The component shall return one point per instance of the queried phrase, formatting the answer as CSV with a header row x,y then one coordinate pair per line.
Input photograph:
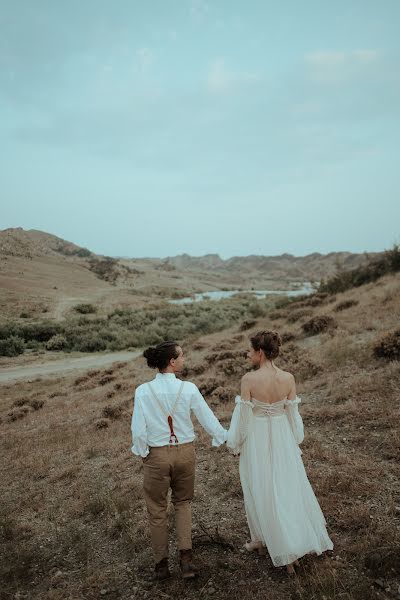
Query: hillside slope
x,y
43,276
82,532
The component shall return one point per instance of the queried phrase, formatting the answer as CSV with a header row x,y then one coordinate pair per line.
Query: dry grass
x,y
72,518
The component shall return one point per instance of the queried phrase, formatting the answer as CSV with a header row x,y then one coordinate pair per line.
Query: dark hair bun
x,y
159,357
267,341
150,355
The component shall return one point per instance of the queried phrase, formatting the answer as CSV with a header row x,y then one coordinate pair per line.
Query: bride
x,y
282,511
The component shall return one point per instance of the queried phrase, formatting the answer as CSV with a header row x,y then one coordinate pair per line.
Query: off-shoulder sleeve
x,y
295,420
240,422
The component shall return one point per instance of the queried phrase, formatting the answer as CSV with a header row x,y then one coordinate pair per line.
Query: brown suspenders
x,y
172,438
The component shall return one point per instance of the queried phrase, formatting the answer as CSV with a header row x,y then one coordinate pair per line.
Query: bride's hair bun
x,y
268,341
158,357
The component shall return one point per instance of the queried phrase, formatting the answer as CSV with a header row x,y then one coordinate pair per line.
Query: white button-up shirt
x,y
150,425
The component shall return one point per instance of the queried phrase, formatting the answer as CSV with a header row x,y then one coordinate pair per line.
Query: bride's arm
x,y
240,418
293,415
245,393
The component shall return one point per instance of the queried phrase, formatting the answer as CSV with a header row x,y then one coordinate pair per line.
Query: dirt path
x,y
93,361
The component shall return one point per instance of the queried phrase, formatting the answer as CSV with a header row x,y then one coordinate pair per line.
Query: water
x,y
220,294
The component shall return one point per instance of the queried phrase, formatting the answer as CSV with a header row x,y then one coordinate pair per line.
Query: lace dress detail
x,y
281,508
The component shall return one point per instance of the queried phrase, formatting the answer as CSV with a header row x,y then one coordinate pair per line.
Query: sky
x,y
158,127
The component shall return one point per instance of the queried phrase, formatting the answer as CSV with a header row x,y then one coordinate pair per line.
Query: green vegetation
x,y
130,328
387,262
85,309
11,346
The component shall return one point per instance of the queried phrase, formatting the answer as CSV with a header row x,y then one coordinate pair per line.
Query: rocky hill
x,y
33,243
312,266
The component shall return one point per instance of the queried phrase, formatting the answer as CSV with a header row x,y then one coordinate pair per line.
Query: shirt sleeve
x,y
139,429
207,419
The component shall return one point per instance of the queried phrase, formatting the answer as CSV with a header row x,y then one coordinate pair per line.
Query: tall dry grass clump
x,y
388,346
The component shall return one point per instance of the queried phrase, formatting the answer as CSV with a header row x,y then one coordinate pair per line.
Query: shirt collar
x,y
162,375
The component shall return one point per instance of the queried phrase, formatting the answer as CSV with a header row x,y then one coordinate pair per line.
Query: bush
x,y
387,262
57,342
318,324
248,324
112,412
345,305
294,316
388,346
105,268
36,404
91,342
11,346
85,309
287,336
40,332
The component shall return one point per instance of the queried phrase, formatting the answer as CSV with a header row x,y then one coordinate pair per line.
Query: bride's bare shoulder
x,y
285,375
249,376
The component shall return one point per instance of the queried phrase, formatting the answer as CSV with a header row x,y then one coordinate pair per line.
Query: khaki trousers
x,y
164,468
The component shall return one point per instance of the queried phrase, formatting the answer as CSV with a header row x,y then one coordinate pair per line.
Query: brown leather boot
x,y
188,569
161,570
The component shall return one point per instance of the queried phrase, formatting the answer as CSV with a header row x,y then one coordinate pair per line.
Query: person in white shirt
x,y
163,436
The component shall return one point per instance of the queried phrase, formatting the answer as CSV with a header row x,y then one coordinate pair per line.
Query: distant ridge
x,y
18,242
315,265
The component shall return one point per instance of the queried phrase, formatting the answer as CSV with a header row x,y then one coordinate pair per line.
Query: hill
x,y
285,266
44,276
82,531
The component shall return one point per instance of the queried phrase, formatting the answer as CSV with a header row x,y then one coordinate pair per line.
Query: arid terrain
x,y
43,276
72,518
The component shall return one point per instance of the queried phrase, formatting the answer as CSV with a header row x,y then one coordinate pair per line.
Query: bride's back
x,y
270,385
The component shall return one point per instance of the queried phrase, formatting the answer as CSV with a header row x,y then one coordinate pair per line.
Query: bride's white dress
x,y
281,508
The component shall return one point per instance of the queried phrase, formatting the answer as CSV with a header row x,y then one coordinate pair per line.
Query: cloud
x,y
220,79
199,9
144,59
337,66
325,59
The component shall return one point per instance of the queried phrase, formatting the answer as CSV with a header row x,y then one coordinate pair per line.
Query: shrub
x,y
287,336
387,262
248,324
57,342
294,316
345,305
112,412
11,346
256,310
105,268
18,413
102,423
85,309
388,346
276,314
20,402
36,404
40,332
91,342
318,324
